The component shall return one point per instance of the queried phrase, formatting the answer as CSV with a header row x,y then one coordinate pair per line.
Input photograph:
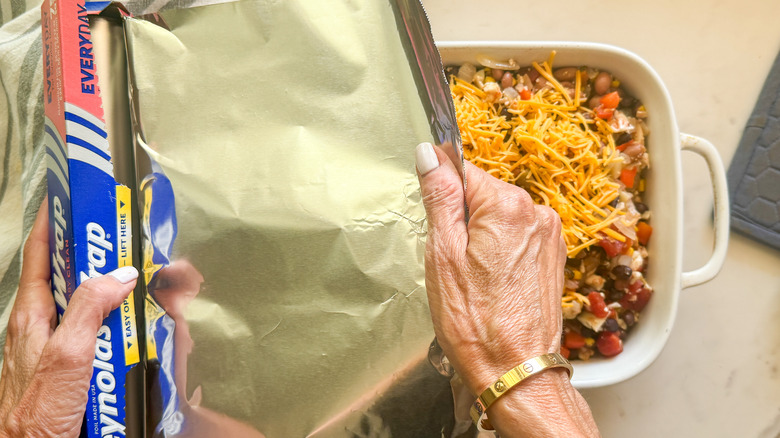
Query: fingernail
x,y
426,158
125,274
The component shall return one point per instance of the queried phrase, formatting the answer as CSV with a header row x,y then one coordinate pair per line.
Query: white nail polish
x,y
125,274
426,158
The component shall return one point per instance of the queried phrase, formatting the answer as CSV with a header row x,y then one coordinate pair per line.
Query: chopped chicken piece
x,y
571,309
492,92
596,281
591,321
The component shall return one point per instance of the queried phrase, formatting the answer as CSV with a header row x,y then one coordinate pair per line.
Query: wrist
x,y
481,371
544,405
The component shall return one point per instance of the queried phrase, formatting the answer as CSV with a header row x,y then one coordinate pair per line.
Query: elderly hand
x,y
47,368
494,288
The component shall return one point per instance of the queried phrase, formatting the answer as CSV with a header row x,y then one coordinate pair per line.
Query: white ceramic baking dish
x,y
664,192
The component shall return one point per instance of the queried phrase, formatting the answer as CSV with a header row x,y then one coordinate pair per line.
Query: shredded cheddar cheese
x,y
557,150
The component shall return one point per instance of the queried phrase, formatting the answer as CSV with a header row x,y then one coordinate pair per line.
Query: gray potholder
x,y
754,174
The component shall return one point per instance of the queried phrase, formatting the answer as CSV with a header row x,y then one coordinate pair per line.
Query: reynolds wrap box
x,y
90,213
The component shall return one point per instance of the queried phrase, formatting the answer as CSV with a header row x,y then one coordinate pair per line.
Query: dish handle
x,y
721,211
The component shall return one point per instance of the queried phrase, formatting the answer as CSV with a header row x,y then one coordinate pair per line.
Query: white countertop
x,y
718,375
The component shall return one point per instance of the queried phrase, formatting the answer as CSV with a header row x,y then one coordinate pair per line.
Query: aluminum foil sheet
x,y
283,221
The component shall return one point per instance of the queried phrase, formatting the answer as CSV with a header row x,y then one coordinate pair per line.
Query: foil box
x,y
90,231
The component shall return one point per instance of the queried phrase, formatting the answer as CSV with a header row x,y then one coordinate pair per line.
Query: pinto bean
x,y
602,82
565,73
569,87
634,150
507,80
533,74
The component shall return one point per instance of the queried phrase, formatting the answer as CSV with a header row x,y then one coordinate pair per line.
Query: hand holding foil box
x,y
90,205
289,265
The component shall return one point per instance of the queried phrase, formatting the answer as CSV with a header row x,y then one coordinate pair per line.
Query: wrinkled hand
x,y
494,289
47,368
494,285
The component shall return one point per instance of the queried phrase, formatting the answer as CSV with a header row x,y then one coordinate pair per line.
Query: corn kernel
x,y
642,185
615,83
589,342
577,274
489,79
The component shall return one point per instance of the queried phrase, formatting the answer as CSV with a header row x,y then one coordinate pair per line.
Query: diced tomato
x,y
628,175
597,305
611,100
573,340
642,297
609,344
637,297
603,112
525,94
565,352
643,232
611,246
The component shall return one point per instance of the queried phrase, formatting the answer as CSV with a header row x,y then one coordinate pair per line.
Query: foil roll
x,y
108,47
284,230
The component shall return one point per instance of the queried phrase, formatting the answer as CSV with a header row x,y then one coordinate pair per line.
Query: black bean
x,y
629,318
640,207
611,325
567,272
622,272
627,101
624,137
588,333
621,284
505,113
614,295
614,202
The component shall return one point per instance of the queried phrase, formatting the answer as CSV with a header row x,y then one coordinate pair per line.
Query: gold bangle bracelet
x,y
512,378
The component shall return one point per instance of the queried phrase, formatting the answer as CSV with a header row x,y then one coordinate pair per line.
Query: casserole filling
x,y
574,139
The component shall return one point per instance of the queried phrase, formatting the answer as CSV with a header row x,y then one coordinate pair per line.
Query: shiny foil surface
x,y
287,130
